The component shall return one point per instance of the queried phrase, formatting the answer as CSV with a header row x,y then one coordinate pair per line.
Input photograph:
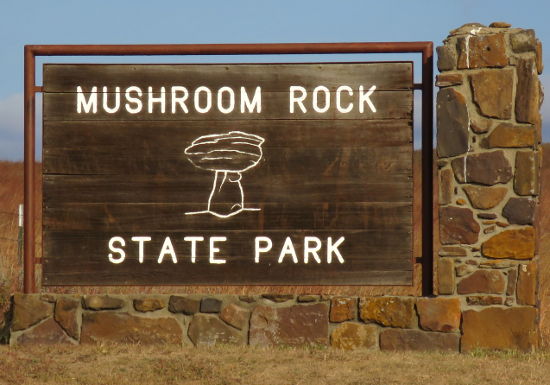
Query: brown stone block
x,y
527,284
493,92
46,333
343,309
519,211
294,325
457,226
540,63
98,327
512,244
149,304
511,136
439,314
389,311
484,198
350,336
527,92
401,339
66,313
308,298
235,316
28,310
445,276
512,281
498,328
483,281
452,123
209,330
523,41
482,51
446,187
446,57
487,168
526,181
448,79
500,24
185,305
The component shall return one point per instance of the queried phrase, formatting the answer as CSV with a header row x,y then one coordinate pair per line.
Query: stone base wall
x,y
378,323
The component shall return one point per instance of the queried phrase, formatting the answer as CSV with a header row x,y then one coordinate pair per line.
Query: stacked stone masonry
x,y
489,134
489,149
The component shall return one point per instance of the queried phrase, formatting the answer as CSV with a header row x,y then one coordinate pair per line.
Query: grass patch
x,y
131,364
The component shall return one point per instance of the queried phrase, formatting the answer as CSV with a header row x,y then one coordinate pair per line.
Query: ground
x,y
127,364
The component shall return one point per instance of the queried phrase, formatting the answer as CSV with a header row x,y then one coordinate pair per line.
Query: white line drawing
x,y
228,155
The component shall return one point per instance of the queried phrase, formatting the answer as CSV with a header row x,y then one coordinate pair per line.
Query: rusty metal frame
x,y
30,90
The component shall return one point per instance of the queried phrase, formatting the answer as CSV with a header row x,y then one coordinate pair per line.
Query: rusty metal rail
x,y
30,89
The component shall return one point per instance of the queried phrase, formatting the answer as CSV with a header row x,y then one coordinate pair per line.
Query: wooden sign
x,y
228,174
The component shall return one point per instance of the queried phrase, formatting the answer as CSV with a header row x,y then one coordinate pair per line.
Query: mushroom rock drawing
x,y
228,156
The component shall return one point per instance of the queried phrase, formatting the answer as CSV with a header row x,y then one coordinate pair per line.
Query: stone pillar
x,y
489,149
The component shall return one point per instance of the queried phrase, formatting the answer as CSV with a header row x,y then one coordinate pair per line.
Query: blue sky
x,y
236,21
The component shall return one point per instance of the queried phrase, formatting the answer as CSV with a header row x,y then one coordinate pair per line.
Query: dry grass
x,y
123,365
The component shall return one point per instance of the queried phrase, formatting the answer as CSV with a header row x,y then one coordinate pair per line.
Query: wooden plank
x,y
271,77
363,252
278,133
152,189
171,217
275,105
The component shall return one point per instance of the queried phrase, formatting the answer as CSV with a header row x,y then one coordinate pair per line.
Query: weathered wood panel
x,y
314,174
272,77
140,217
275,106
368,255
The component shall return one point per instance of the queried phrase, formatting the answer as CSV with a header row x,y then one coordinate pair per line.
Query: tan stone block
x,y
448,79
493,92
484,198
439,314
498,328
149,304
508,135
445,276
512,244
389,311
527,284
102,302
526,181
343,309
483,281
350,336
484,300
